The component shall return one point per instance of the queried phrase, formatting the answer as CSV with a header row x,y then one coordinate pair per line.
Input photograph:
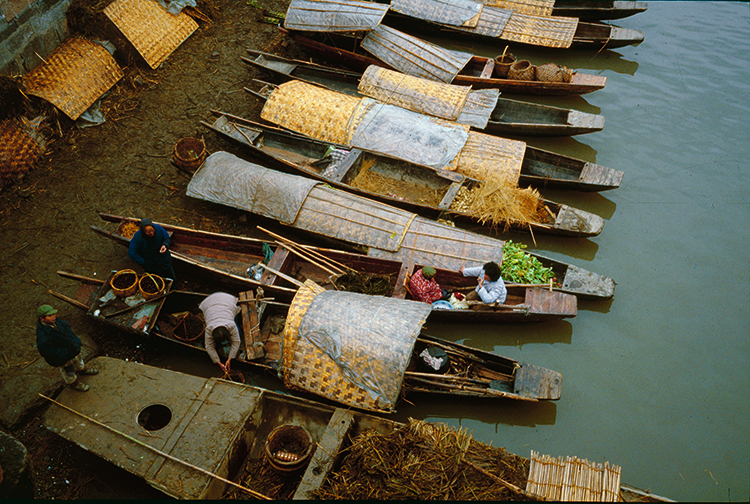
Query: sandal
x,y
80,387
89,371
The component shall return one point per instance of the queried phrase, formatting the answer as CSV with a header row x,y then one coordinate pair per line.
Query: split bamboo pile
x,y
572,479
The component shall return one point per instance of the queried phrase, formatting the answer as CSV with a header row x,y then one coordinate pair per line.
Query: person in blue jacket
x,y
60,347
149,247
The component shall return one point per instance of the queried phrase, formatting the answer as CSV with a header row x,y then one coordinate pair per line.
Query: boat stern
x,y
539,383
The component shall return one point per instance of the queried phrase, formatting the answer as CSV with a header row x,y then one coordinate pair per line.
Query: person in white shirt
x,y
219,310
490,287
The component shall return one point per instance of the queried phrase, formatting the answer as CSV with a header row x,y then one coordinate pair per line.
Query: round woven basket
x,y
552,72
288,448
502,65
124,291
189,328
522,70
189,153
160,284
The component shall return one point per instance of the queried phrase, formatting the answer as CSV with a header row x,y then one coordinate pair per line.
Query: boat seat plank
x,y
489,67
450,195
339,172
276,263
325,454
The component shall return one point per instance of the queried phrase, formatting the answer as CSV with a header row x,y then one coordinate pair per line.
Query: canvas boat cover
x,y
449,12
348,347
535,7
429,97
364,123
414,56
334,15
228,180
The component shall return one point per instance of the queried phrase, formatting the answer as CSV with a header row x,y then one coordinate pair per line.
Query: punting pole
x,y
159,452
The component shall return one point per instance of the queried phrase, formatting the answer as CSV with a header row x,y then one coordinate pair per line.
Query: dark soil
x,y
121,167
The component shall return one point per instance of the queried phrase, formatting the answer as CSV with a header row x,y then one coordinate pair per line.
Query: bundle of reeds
x,y
365,283
425,461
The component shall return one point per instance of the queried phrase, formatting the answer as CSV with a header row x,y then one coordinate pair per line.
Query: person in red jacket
x,y
424,287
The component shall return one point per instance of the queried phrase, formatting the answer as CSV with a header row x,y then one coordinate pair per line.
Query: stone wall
x,y
30,29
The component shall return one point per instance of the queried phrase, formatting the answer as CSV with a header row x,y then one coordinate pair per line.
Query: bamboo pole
x,y
306,248
283,275
308,258
159,452
69,300
508,485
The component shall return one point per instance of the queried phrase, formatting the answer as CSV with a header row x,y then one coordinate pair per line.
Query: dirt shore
x,y
122,167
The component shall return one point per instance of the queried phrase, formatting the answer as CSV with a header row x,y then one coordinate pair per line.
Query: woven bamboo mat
x,y
153,31
534,7
572,479
20,147
540,30
486,156
74,76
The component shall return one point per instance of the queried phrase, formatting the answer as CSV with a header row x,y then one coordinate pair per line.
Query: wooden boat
x,y
430,61
599,10
226,259
461,18
360,350
387,232
420,189
507,118
154,423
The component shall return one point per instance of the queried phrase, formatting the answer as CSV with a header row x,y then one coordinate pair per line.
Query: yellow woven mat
x,y
485,156
74,76
154,32
540,30
535,7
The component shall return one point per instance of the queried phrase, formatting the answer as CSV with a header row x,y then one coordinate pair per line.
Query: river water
x,y
656,380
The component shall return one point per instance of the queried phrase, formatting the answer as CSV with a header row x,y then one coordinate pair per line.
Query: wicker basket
x,y
189,153
522,70
125,291
288,448
159,281
552,72
182,328
502,65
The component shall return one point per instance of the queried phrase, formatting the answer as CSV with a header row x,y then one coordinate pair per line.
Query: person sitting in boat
x,y
220,311
490,287
60,347
424,287
149,247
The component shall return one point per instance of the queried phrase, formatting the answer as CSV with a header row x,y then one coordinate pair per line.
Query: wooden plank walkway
x,y
572,479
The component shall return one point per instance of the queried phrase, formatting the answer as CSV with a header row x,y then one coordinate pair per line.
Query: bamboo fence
x,y
572,479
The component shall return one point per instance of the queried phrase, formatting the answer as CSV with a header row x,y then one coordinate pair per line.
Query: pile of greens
x,y
520,267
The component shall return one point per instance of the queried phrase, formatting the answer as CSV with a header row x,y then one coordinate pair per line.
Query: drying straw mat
x,y
74,76
154,32
533,7
424,461
572,479
21,146
540,30
414,93
486,157
312,111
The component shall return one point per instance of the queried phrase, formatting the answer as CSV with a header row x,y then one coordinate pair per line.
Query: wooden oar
x,y
69,300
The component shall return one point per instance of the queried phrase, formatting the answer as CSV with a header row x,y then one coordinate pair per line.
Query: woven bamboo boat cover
x,y
547,31
535,7
228,180
154,32
449,12
350,348
21,146
334,15
485,157
414,56
492,21
74,76
479,107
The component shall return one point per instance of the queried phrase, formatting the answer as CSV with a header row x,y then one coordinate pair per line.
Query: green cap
x,y
45,310
428,272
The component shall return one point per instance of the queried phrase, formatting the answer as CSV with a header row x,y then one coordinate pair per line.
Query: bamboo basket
x,y
189,153
127,291
522,70
502,65
282,445
157,280
552,72
183,322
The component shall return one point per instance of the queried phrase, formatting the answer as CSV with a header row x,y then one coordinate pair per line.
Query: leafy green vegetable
x,y
520,267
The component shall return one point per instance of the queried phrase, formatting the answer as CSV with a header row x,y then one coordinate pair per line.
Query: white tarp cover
x,y
450,12
409,136
364,340
479,107
228,180
334,15
414,56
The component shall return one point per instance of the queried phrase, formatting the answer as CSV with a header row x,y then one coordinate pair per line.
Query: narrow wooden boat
x,y
363,351
420,189
461,18
387,232
476,71
226,259
507,118
597,10
154,423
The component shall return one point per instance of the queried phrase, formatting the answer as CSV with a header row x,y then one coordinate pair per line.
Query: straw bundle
x,y
312,110
486,157
540,30
406,189
414,93
534,7
423,461
499,203
365,283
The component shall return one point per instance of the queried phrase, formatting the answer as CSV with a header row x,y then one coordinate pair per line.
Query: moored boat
x,y
504,117
226,259
599,10
387,232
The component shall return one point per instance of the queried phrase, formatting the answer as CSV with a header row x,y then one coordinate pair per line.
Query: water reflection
x,y
565,145
592,202
498,337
